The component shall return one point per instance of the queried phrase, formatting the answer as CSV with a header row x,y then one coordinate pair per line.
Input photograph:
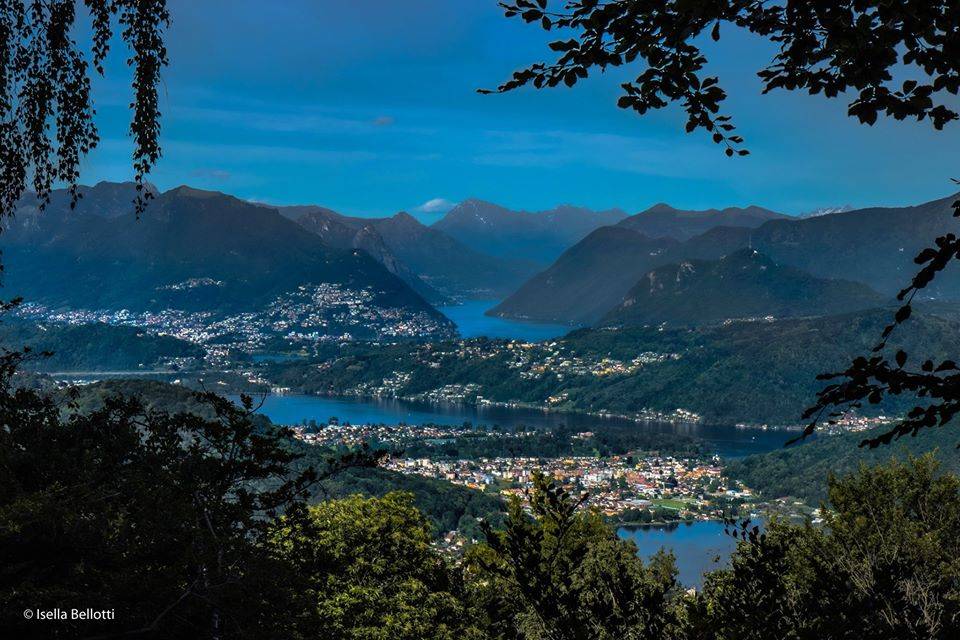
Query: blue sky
x,y
369,107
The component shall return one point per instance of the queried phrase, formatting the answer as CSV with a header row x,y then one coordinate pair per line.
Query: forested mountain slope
x,y
191,250
743,284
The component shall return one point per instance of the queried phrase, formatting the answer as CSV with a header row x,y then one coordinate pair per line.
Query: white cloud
x,y
436,205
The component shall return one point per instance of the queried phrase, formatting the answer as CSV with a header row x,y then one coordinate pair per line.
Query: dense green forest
x,y
755,372
802,470
257,540
602,440
92,347
445,505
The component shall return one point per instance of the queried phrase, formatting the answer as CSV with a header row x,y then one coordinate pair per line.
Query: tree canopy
x,y
870,51
884,565
894,59
46,107
563,574
364,568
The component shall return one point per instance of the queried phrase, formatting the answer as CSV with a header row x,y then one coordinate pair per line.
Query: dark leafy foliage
x,y
770,590
364,569
862,47
869,379
885,565
156,515
46,110
562,574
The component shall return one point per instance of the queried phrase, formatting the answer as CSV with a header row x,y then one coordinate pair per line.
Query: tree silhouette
x,y
825,47
560,573
163,517
870,378
883,566
46,108
896,59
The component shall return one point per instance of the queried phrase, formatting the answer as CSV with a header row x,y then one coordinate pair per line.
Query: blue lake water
x,y
472,323
696,545
297,408
699,547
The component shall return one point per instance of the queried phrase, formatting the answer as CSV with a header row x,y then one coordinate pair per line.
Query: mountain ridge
x,y
663,220
740,285
578,288
539,236
874,247
244,255
439,261
346,233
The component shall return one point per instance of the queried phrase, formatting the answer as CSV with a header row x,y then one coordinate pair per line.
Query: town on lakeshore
x,y
306,316
317,323
480,320
639,488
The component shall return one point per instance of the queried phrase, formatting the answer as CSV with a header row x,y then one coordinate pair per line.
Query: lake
x,y
471,323
696,546
296,408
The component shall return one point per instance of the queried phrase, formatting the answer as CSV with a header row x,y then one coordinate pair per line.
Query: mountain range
x,y
191,249
203,250
195,249
663,221
874,247
594,275
743,284
432,262
589,279
537,236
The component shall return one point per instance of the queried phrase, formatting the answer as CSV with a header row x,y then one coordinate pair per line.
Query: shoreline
x,y
663,418
655,417
663,524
